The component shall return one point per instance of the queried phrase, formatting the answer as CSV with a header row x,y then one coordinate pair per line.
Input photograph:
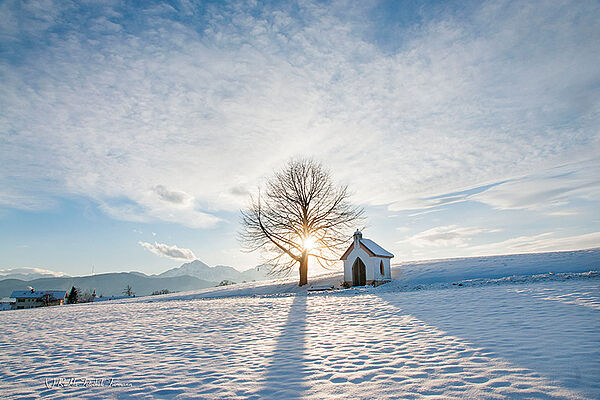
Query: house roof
x,y
370,247
27,294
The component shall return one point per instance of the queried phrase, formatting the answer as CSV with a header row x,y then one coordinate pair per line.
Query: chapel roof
x,y
370,247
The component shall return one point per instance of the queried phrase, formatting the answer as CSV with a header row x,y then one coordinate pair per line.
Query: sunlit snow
x,y
521,338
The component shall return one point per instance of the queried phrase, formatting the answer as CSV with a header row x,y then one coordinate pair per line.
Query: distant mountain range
x,y
111,284
218,273
190,276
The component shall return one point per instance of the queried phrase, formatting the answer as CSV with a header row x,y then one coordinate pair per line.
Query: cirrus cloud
x,y
214,97
555,187
547,241
444,236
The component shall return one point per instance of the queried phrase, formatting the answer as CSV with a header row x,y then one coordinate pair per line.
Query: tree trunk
x,y
303,269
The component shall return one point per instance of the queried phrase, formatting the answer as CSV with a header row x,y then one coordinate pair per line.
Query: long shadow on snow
x,y
284,377
541,335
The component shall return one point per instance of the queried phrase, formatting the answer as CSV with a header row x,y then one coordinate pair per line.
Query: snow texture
x,y
512,337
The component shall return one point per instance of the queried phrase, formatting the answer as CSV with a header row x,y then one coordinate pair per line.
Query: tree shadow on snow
x,y
285,373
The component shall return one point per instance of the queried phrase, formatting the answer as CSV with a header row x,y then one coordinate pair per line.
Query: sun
x,y
309,243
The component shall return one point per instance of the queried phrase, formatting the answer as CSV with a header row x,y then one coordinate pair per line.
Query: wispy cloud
x,y
164,250
455,241
445,236
547,241
546,189
555,187
416,203
214,99
564,213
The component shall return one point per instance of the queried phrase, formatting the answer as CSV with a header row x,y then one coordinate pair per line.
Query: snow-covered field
x,y
529,338
472,271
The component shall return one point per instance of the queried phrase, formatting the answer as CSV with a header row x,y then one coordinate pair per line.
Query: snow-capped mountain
x,y
218,273
26,273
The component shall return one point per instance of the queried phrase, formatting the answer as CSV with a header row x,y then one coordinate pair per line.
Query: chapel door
x,y
359,273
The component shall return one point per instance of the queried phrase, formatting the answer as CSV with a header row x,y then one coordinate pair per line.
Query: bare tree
x,y
128,291
85,296
48,299
301,213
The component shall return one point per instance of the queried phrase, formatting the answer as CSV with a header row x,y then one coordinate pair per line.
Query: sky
x,y
132,133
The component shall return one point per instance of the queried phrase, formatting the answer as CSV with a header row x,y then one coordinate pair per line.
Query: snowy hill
x,y
534,336
435,273
200,270
456,269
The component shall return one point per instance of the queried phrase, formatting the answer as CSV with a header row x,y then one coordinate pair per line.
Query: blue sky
x,y
132,133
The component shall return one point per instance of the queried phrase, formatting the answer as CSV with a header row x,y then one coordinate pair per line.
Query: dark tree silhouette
x,y
73,295
300,213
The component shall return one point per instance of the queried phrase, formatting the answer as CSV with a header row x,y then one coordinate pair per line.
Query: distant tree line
x,y
77,295
157,292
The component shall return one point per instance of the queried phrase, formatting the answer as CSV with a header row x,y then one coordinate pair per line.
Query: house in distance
x,y
366,263
33,299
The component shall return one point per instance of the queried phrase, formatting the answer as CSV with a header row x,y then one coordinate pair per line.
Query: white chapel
x,y
366,263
